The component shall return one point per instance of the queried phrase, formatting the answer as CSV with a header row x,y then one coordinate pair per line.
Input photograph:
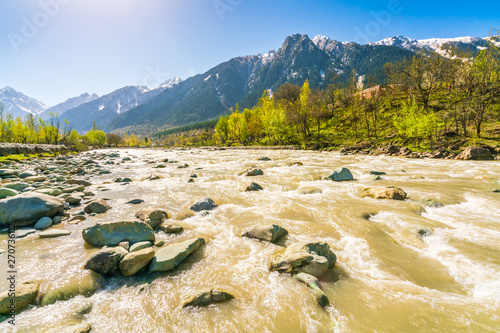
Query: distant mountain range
x,y
240,80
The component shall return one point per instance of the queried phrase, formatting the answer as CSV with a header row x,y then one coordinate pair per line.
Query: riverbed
x,y
388,276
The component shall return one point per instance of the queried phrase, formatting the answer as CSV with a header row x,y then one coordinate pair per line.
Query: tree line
x,y
431,95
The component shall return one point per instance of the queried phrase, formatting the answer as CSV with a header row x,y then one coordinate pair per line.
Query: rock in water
x,y
135,202
43,223
252,187
204,204
313,284
106,261
171,256
25,294
341,175
390,192
113,233
27,208
54,233
153,217
97,206
134,262
310,258
476,153
84,283
208,297
251,172
269,233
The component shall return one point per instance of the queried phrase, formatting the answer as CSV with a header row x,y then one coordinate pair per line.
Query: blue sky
x,y
56,49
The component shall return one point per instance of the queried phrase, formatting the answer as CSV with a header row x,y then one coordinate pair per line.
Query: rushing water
x,y
387,278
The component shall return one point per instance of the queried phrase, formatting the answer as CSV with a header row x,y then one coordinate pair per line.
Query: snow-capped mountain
x,y
170,83
18,104
436,44
103,109
69,104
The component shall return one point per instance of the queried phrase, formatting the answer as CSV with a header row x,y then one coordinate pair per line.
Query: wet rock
x,y
106,261
431,203
23,232
7,192
185,214
16,186
377,173
98,206
78,188
43,223
135,261
252,187
85,283
204,204
122,180
208,297
251,172
73,200
424,233
78,182
125,245
390,192
170,256
476,153
35,179
269,233
310,258
113,233
26,209
296,164
54,233
79,328
313,284
184,166
171,229
135,202
8,172
140,246
341,175
417,177
159,243
153,217
25,294
309,190
264,159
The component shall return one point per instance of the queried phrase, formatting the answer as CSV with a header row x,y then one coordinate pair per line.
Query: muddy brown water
x,y
387,278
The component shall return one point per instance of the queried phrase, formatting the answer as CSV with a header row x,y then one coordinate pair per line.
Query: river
x,y
388,277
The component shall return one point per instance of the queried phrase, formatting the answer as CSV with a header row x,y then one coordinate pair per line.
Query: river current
x,y
388,277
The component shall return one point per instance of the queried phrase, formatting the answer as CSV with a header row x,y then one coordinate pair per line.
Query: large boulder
x,y
135,261
310,258
269,233
106,261
252,171
341,175
208,297
27,208
98,206
25,294
153,217
476,153
113,233
204,204
390,192
169,257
